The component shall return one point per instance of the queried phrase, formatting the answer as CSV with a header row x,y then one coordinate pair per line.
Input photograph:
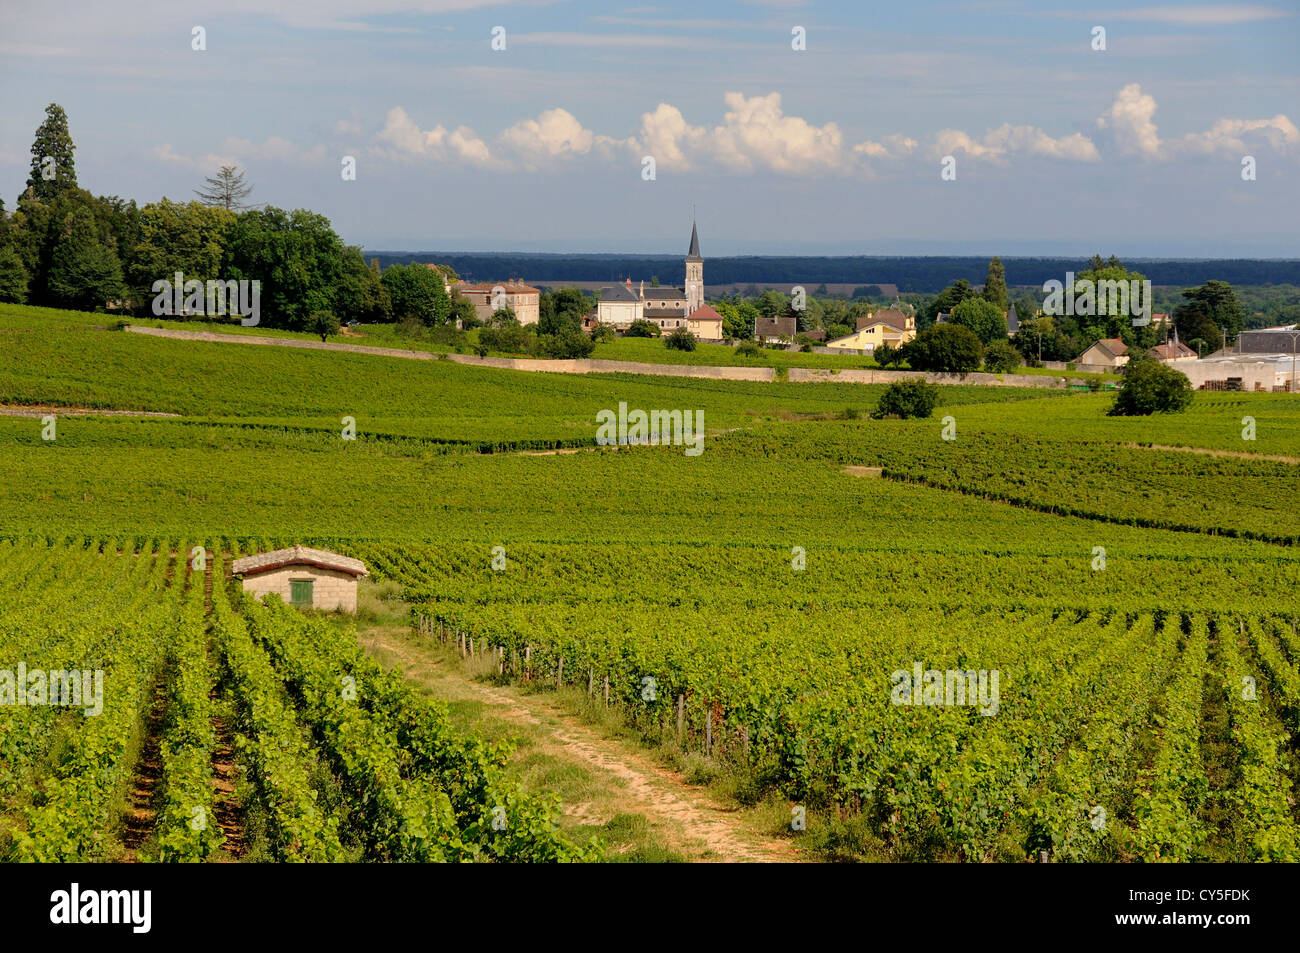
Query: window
x,y
300,592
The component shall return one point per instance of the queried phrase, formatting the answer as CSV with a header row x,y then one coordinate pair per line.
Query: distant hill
x,y
908,273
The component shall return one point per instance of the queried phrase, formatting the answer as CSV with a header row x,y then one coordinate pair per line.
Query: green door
x,y
300,592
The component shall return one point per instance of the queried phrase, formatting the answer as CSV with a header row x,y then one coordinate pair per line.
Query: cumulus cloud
x,y
893,147
756,133
403,138
1129,121
997,144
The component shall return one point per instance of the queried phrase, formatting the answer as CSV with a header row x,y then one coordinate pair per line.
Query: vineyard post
x,y
681,717
606,691
744,739
559,675
591,681
501,659
471,646
708,730
528,662
514,660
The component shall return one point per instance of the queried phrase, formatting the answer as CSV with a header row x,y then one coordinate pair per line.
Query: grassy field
x,y
1122,574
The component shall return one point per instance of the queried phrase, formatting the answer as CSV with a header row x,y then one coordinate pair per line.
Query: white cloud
x,y
893,147
1130,121
1226,136
1008,139
555,133
406,140
756,133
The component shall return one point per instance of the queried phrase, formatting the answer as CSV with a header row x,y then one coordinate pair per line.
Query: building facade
x,y
304,577
524,300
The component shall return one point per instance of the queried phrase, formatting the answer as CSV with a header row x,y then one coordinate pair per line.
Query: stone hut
x,y
311,578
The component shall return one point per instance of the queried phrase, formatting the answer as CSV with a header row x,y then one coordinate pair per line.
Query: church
x,y
668,308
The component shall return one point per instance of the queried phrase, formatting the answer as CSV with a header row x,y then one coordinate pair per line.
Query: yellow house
x,y
873,333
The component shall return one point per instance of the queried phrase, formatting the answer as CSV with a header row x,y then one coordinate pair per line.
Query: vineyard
x,y
1131,583
342,760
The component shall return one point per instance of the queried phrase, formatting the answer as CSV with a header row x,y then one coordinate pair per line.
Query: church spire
x,y
694,253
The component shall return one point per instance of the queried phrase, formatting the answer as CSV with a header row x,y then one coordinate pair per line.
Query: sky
x,y
788,127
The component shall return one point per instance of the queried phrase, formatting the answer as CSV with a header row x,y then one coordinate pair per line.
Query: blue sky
x,y
836,148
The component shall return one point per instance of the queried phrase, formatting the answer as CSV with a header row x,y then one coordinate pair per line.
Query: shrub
x,y
748,349
681,340
1001,358
569,343
909,398
602,333
1151,387
949,348
887,355
511,339
641,328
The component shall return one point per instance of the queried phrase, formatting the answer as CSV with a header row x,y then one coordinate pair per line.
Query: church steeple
x,y
694,287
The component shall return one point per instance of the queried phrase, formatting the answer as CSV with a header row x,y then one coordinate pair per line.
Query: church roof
x,y
694,253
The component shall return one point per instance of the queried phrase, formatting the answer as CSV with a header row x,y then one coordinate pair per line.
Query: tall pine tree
x,y
995,285
53,169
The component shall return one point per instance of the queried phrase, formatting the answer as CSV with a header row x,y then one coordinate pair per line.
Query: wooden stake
x,y
708,730
681,717
606,691
559,675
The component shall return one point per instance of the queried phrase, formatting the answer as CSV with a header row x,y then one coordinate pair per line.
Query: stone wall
x,y
331,589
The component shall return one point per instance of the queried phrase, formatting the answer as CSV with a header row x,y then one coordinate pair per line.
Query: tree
x,y
84,270
569,343
53,169
1001,358
360,294
1212,305
323,323
909,398
982,317
949,348
464,313
680,339
995,285
226,189
189,238
945,301
568,307
641,328
297,257
886,355
13,276
1151,387
417,292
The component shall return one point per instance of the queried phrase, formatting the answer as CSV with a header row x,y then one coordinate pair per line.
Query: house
x,y
487,297
891,316
311,578
705,323
774,330
1173,352
1106,352
819,336
619,306
886,326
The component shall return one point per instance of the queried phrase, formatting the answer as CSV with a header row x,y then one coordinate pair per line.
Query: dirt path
x,y
225,805
1206,451
694,823
143,813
